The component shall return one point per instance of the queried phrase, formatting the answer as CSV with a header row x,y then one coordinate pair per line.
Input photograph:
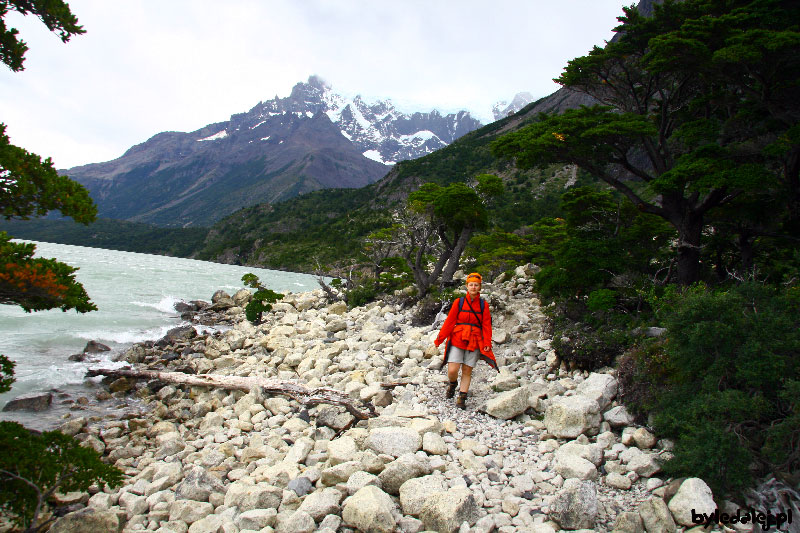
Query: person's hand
x,y
487,348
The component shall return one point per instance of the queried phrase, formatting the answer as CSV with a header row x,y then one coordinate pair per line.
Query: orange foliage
x,y
34,278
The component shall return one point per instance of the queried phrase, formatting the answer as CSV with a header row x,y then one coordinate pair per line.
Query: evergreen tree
x,y
698,111
32,187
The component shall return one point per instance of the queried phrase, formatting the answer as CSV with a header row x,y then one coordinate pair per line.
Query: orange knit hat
x,y
474,277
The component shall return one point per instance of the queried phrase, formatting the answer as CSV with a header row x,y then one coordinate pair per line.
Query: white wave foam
x,y
165,305
126,336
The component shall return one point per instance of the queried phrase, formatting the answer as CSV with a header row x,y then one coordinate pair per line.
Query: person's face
x,y
473,288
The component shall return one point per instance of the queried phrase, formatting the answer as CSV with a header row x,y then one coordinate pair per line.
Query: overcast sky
x,y
146,66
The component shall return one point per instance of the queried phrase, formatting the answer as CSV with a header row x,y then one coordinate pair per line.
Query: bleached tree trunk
x,y
295,391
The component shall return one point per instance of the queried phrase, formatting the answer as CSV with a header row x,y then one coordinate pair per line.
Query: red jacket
x,y
468,328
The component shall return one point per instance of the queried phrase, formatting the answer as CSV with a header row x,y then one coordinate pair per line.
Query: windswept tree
x,y
437,224
699,111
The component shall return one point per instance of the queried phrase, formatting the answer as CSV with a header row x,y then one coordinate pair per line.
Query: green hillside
x,y
327,227
110,234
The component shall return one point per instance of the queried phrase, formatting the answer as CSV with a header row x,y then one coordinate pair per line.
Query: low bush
x,y
262,299
730,394
587,347
33,467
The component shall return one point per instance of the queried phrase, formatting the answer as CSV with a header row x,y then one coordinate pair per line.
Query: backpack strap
x,y
479,316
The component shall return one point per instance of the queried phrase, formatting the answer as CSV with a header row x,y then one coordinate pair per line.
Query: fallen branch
x,y
295,391
393,384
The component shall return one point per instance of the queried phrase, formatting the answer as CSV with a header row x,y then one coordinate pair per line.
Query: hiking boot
x,y
461,401
451,389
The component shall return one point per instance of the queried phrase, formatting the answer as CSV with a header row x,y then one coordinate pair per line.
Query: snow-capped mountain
x,y
503,109
312,139
378,129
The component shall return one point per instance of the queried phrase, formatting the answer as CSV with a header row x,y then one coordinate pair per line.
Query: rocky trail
x,y
534,451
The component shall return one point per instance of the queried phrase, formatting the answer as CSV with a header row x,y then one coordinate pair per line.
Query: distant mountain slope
x,y
311,140
328,226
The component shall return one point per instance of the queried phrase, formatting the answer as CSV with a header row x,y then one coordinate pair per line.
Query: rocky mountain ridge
x,y
312,139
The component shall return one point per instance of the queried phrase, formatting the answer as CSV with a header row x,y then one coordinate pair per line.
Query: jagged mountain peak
x,y
377,128
503,109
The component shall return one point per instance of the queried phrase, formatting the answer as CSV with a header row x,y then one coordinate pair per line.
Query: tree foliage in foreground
x,y
36,283
34,467
55,14
32,187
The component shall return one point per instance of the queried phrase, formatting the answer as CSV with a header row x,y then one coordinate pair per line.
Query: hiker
x,y
468,330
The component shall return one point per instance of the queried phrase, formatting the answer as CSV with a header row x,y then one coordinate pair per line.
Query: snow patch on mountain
x,y
219,135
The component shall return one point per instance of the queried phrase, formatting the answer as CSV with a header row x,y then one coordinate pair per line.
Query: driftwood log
x,y
303,395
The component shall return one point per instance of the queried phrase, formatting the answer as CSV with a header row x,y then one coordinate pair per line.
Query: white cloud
x,y
148,66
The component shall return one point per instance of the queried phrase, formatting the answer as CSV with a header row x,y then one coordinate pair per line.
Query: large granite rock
x,y
342,450
445,511
415,492
509,404
575,505
656,516
257,519
247,497
179,334
405,467
321,503
88,520
570,416
601,388
30,402
394,441
370,510
222,300
189,511
198,485
628,522
618,417
297,522
574,466
242,297
695,494
95,347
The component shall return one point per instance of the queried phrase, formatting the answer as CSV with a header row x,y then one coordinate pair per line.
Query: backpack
x,y
461,302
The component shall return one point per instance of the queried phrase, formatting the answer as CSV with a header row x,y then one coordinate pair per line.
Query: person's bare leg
x,y
452,371
466,377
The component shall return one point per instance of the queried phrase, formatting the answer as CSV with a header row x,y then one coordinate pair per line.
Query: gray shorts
x,y
458,355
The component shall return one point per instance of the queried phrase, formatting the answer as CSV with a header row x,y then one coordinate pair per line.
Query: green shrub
x,y
642,372
713,454
731,394
6,373
601,300
588,347
35,466
262,299
361,293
